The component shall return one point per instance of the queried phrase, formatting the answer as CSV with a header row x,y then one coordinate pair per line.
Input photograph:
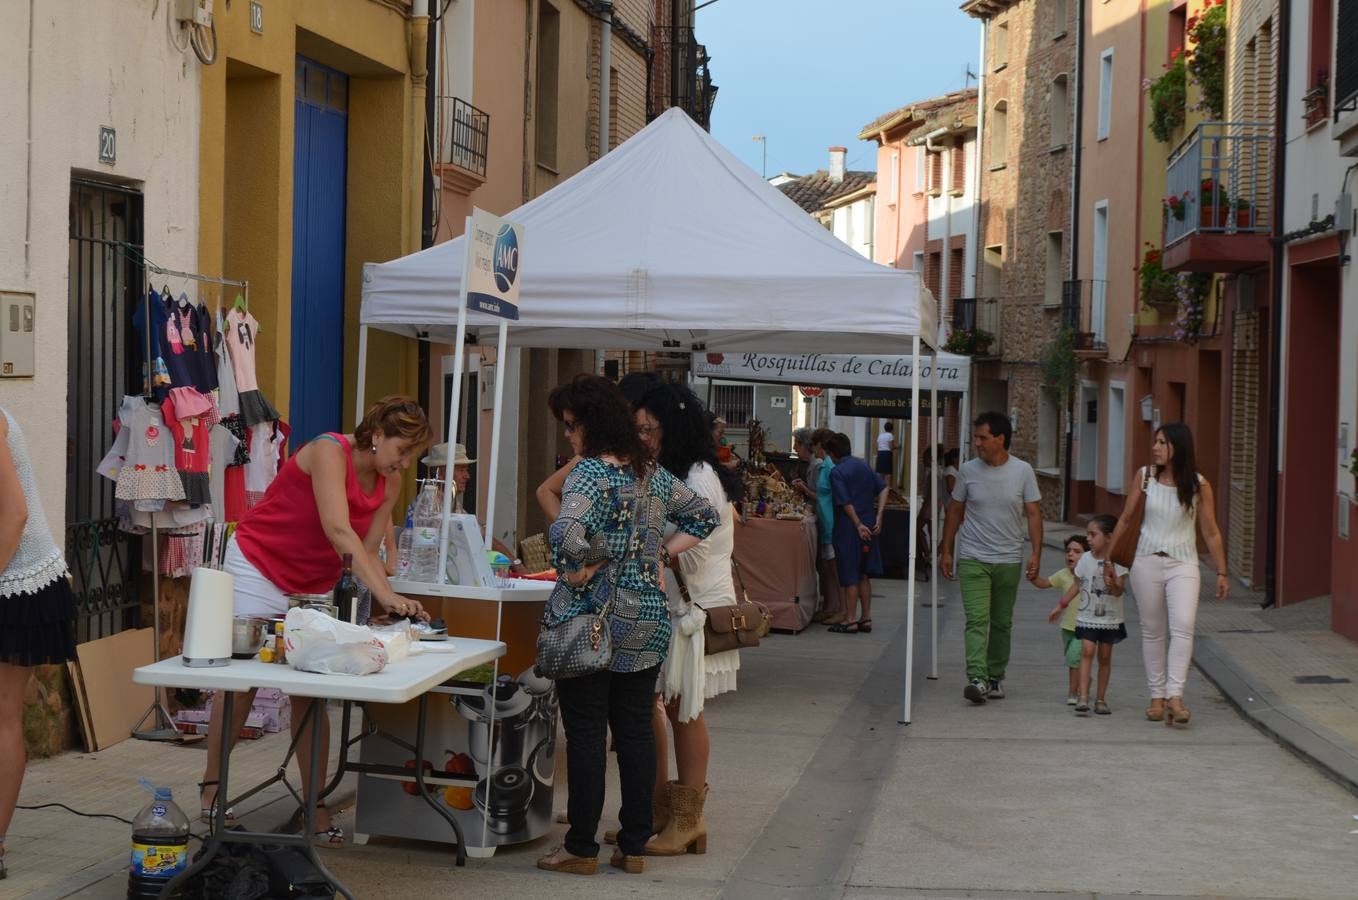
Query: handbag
x,y
1124,548
737,627
583,644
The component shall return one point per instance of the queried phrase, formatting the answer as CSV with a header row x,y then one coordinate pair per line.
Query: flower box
x,y
1219,217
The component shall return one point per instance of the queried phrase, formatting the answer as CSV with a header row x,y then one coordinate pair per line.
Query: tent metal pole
x,y
933,517
913,495
459,363
964,429
362,374
501,351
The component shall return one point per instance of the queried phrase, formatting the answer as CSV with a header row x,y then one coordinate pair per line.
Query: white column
x,y
914,537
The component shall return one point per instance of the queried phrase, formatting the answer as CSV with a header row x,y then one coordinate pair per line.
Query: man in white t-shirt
x,y
886,454
994,494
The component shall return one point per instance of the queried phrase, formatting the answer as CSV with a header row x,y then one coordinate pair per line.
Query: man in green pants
x,y
995,493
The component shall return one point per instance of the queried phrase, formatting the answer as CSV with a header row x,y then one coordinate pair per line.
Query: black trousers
x,y
590,706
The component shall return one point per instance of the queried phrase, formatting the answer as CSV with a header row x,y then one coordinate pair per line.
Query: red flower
x,y
1174,54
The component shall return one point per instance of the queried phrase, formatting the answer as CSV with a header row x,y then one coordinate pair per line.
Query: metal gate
x,y
318,199
105,287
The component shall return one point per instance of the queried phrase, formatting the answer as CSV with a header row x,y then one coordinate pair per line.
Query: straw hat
x,y
437,457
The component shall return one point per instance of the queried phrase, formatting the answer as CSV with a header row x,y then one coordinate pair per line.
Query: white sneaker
x,y
976,690
1072,700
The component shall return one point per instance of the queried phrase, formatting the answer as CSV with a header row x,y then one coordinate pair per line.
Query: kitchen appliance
x,y
247,636
207,627
513,717
511,793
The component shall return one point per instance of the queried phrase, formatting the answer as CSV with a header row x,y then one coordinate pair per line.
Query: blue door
x,y
319,165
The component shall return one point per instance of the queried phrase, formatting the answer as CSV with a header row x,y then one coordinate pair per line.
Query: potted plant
x,y
1176,205
1244,214
1206,34
1157,285
1168,98
970,342
1213,205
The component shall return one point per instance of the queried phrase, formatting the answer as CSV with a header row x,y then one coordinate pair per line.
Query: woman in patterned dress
x,y
608,543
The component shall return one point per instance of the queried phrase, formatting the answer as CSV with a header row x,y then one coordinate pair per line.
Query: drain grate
x,y
1244,631
1320,679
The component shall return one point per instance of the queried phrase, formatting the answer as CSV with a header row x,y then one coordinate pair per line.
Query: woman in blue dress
x,y
859,497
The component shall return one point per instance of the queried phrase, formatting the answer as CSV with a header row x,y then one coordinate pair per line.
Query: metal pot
x,y
542,712
247,636
513,714
511,793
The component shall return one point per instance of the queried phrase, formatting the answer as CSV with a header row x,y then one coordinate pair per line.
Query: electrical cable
x,y
90,815
199,48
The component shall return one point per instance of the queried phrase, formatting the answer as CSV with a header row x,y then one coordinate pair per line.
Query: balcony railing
x,y
1084,310
976,327
1220,181
464,135
677,74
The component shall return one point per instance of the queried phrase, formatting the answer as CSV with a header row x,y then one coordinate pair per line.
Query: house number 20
x,y
108,145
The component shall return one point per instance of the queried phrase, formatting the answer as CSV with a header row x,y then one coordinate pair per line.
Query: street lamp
x,y
764,165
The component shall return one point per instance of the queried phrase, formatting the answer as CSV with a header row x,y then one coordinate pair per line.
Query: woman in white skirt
x,y
672,423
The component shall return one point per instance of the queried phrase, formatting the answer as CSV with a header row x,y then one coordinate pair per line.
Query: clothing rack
x,y
162,726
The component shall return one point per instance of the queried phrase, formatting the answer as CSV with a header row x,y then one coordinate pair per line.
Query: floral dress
x,y
598,508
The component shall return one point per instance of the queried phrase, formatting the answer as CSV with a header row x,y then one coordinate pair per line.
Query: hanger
x,y
183,300
239,305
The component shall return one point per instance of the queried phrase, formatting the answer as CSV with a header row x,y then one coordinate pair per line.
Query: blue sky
x,y
808,74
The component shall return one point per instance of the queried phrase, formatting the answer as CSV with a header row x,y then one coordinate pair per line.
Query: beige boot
x,y
660,813
687,829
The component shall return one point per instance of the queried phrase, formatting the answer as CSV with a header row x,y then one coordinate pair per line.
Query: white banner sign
x,y
951,373
492,270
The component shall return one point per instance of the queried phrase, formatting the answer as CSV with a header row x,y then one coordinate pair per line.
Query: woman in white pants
x,y
1165,575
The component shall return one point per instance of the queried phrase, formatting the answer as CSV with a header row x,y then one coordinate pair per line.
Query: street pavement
x,y
819,792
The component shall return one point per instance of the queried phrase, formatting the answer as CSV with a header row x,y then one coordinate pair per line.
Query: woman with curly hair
x,y
609,546
672,424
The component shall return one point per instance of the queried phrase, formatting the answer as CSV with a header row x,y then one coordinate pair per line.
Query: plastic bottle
x,y
403,548
160,845
424,546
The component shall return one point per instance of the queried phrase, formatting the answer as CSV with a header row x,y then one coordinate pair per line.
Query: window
x,y
935,173
1056,241
999,51
612,107
920,163
1048,429
999,135
549,37
1117,431
1322,41
992,275
1178,30
894,182
1345,72
1060,16
956,265
957,161
1105,93
1098,288
1060,112
734,403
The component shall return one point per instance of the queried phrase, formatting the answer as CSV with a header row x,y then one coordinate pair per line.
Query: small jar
x,y
280,652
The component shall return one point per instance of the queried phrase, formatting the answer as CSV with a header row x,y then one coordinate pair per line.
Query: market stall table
x,y
777,560
399,682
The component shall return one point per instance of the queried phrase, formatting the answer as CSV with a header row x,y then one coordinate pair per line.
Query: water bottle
x,y
403,547
424,545
160,845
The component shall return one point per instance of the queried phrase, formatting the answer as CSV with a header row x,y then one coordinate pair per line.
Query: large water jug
x,y
160,845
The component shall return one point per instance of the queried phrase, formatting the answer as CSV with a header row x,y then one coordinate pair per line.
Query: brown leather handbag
x,y
737,627
1124,548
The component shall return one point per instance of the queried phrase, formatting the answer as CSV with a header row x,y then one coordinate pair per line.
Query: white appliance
x,y
207,628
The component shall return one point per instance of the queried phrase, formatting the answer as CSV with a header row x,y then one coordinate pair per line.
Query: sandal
x,y
844,628
865,626
1101,708
208,813
1156,711
332,837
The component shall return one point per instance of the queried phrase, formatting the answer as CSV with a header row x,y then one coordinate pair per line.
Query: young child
x,y
1098,623
1077,545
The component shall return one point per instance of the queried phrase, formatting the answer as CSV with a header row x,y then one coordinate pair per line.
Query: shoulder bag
x,y
737,627
1124,549
583,644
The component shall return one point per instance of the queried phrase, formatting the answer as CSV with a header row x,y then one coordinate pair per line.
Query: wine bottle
x,y
346,591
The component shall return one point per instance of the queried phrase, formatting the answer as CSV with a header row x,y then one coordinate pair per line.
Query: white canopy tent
x,y
670,243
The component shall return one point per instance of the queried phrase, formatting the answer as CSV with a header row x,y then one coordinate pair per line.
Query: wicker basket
x,y
533,552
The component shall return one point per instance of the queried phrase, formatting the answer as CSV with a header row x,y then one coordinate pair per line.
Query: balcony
x,y
677,74
463,144
1084,306
976,327
1220,198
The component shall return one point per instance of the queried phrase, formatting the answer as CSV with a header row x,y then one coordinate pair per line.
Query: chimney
x,y
837,164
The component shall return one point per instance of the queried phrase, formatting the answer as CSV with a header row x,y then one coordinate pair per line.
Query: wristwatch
x,y
665,558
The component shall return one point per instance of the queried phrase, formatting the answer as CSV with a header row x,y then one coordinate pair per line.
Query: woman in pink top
x,y
334,497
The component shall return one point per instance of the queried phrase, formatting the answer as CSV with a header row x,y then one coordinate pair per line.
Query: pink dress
x,y
241,331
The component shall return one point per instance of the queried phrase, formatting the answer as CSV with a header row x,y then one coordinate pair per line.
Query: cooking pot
x,y
511,793
543,706
513,714
247,636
